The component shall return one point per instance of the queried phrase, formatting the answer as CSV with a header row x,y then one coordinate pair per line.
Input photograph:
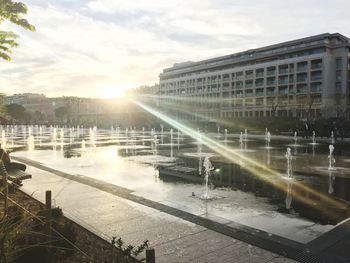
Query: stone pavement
x,y
108,215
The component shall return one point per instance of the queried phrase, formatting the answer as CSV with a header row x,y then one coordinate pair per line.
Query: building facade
x,y
306,78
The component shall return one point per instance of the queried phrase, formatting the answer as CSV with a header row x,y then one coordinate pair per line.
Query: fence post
x,y
48,215
4,174
48,221
150,256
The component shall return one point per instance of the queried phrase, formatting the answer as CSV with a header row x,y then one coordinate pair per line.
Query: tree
x,y
13,12
16,111
61,112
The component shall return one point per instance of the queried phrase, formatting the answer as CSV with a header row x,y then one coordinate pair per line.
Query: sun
x,y
114,91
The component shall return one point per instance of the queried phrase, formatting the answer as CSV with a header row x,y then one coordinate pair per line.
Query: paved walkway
x,y
108,215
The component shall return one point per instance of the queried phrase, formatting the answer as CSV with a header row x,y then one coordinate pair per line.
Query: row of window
x,y
300,113
228,103
303,66
272,80
282,89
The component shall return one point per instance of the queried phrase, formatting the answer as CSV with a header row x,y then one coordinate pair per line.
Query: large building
x,y
306,78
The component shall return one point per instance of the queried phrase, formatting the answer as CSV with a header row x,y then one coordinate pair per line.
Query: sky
x,y
100,48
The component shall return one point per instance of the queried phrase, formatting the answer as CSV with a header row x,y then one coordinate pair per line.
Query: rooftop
x,y
333,39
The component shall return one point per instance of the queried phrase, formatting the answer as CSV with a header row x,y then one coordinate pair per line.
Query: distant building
x,y
306,78
146,94
38,105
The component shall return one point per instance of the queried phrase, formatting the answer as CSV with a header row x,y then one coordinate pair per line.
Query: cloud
x,y
95,48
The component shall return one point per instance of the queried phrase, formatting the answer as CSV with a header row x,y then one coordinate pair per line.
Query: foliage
x,y
61,112
2,102
16,111
127,252
56,213
10,226
23,237
13,12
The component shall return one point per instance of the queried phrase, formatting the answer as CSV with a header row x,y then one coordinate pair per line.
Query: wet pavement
x,y
108,215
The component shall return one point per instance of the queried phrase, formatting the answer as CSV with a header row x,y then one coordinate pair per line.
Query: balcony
x,y
283,92
317,98
259,102
316,78
316,88
271,72
283,81
301,90
259,74
302,69
259,94
316,66
283,71
302,79
259,82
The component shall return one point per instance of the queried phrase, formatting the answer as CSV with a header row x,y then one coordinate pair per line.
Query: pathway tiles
x,y
209,246
174,239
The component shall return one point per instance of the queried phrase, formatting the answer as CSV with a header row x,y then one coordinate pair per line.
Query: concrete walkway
x,y
108,215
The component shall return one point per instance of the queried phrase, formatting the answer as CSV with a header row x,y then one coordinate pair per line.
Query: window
x,y
270,91
316,64
302,77
283,90
302,99
259,82
271,70
283,69
316,75
338,87
249,74
338,75
259,102
239,84
239,103
271,81
338,63
316,87
301,88
239,75
226,86
302,66
283,80
259,72
225,77
249,93
316,98
249,83
249,102
259,92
